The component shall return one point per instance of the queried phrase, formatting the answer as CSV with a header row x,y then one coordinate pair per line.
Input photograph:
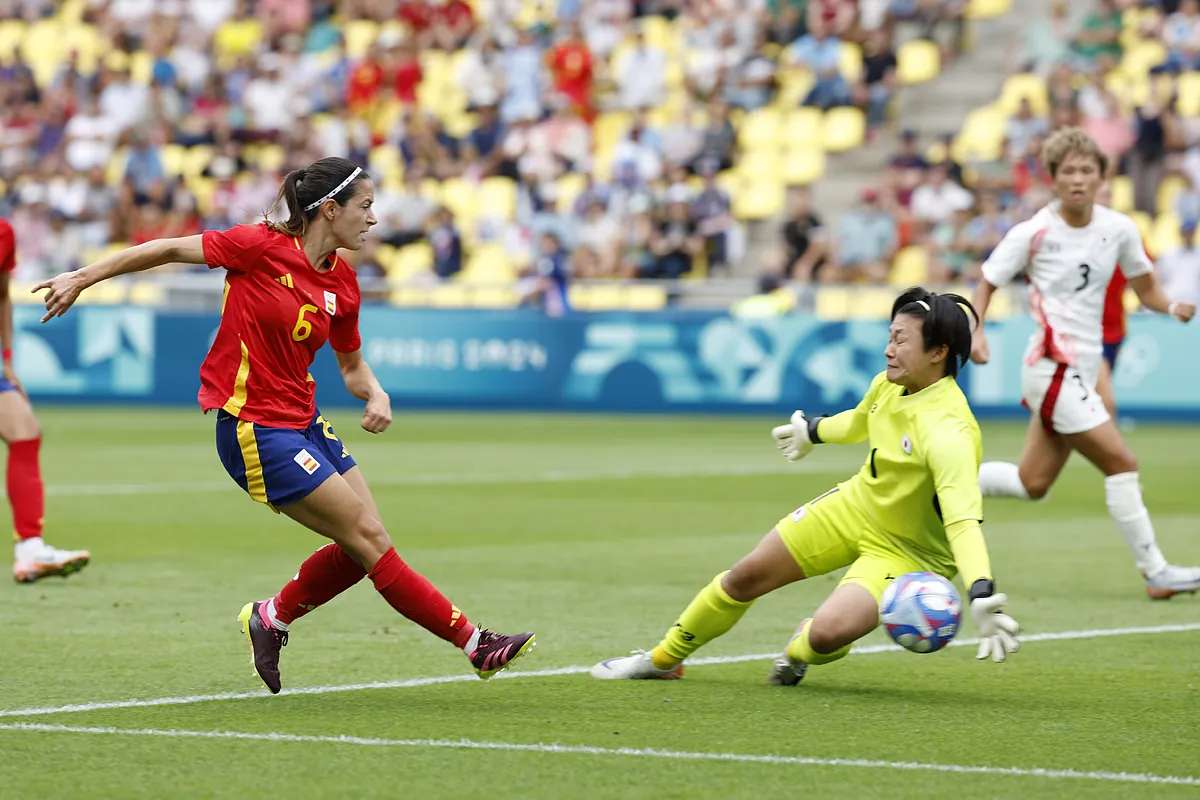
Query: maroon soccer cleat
x,y
265,644
495,651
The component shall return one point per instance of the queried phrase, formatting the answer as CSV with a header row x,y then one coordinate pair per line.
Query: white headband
x,y
923,305
335,192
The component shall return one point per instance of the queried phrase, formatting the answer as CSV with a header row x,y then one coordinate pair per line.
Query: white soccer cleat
x,y
34,563
1171,580
638,666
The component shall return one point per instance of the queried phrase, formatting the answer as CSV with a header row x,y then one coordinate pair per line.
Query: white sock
x,y
275,623
472,643
1124,497
1001,479
28,548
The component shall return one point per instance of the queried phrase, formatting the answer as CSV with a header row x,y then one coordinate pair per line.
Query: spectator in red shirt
x,y
571,65
366,79
418,16
452,24
407,75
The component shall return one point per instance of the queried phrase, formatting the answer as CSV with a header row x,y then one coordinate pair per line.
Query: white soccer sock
x,y
275,623
26,549
1001,479
472,643
1124,497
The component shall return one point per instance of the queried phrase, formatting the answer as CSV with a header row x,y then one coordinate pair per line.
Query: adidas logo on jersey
x,y
286,280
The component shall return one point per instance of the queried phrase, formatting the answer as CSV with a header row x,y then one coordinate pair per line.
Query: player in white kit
x,y
1068,252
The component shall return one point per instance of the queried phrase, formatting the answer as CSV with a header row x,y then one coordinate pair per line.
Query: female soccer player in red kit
x,y
286,293
32,558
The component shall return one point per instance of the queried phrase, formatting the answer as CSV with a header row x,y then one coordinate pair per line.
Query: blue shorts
x,y
5,386
1111,351
279,466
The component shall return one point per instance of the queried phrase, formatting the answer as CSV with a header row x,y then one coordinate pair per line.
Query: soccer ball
x,y
921,611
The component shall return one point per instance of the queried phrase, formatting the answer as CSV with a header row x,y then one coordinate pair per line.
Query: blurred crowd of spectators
x,y
245,76
956,213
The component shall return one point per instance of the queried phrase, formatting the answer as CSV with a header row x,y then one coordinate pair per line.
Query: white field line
x,y
562,749
459,479
77,708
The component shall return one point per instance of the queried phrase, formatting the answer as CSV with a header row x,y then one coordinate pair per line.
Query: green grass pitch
x,y
594,531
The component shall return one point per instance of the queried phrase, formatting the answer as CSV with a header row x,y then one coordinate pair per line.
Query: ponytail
x,y
328,179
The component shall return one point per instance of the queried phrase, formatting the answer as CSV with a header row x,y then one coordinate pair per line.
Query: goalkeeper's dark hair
x,y
303,187
946,320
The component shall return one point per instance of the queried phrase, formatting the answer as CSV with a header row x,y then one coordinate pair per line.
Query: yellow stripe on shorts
x,y
255,484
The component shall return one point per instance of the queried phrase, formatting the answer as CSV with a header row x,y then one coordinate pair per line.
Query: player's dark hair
x,y
303,187
944,322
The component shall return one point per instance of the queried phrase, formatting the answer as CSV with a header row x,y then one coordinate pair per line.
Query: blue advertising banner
x,y
655,362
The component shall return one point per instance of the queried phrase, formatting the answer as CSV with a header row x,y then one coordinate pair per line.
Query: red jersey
x,y
571,63
407,79
277,313
366,79
1114,308
8,247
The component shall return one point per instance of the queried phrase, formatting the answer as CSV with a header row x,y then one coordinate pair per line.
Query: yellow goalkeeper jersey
x,y
921,476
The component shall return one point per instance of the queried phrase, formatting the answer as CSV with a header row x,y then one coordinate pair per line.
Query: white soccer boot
x,y
34,560
637,666
1172,580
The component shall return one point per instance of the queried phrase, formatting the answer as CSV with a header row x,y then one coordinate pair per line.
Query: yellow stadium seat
x,y
832,302
981,136
794,85
204,189
488,264
141,67
411,295
844,129
1166,236
850,61
644,297
115,172
1139,58
910,267
1130,91
497,197
1122,193
450,295
802,166
459,122
493,297
458,195
1024,85
570,186
271,158
172,156
983,9
196,159
802,128
760,166
412,260
918,61
760,128
147,293
84,40
12,32
386,161
759,200
1145,224
1188,87
1168,189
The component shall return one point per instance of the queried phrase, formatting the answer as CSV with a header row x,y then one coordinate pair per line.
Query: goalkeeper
x,y
914,506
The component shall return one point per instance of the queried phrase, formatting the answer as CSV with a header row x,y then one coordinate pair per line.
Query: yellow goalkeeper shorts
x,y
830,532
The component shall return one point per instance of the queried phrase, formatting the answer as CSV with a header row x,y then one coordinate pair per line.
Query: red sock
x,y
416,598
25,489
322,577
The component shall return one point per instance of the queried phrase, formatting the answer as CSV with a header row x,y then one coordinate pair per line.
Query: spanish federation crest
x,y
331,303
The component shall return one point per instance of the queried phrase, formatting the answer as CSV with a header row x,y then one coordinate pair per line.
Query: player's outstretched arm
x,y
361,382
1150,292
64,289
796,439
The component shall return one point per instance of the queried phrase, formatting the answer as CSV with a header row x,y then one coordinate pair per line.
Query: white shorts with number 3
x,y
1063,397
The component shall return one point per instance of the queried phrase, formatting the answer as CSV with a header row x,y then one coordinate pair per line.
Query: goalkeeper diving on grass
x,y
914,506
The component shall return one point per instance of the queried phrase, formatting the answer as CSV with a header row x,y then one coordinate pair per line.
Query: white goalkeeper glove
x,y
997,630
793,439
